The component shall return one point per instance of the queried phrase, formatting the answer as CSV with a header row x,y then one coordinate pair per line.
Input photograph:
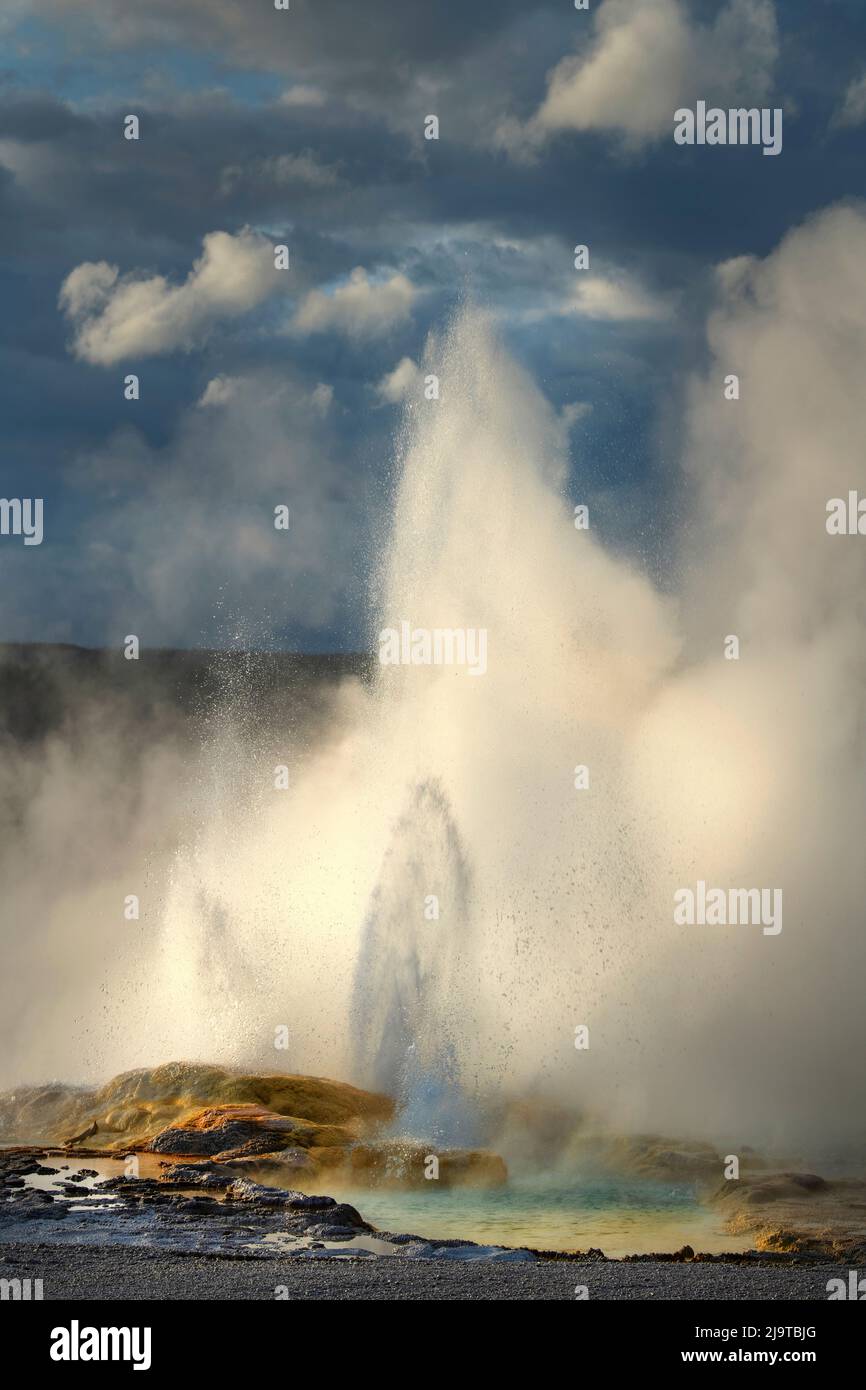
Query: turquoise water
x,y
617,1214
620,1216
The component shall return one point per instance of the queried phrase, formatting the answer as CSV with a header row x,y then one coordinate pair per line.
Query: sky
x,y
261,387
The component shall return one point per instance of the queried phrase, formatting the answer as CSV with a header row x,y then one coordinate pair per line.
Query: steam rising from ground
x,y
306,907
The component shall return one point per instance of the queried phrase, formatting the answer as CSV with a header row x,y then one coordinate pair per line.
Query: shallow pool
x,y
618,1215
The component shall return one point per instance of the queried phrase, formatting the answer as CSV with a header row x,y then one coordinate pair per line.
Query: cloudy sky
x,y
261,387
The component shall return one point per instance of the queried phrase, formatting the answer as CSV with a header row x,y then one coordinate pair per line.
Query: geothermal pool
x,y
616,1214
621,1216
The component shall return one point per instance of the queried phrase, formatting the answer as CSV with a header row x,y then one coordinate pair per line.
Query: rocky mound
x,y
132,1109
405,1163
799,1213
287,1129
287,1150
239,1131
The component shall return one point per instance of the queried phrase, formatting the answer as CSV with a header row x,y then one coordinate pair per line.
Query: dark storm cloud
x,y
370,44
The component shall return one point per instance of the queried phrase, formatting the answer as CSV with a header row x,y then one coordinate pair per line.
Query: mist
x,y
304,907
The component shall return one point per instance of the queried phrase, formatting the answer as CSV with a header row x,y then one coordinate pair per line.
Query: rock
x,y
206,1174
333,1232
33,1203
13,1165
775,1187
199,1206
37,1114
653,1156
34,1195
130,1191
136,1106
304,1203
41,1213
280,1166
809,1182
339,1221
77,1138
342,1214
291,1130
242,1190
239,1131
403,1163
797,1213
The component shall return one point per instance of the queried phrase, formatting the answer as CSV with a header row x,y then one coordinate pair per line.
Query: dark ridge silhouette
x,y
45,687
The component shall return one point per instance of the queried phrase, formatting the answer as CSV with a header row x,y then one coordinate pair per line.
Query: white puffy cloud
x,y
612,298
852,110
359,308
87,288
396,385
122,316
218,391
648,57
603,297
322,397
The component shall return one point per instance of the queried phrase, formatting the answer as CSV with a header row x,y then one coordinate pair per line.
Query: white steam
x,y
269,907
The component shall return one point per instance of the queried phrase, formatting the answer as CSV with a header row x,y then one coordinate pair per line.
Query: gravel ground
x,y
104,1272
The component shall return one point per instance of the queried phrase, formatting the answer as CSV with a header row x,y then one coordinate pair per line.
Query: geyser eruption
x,y
482,538
555,900
414,981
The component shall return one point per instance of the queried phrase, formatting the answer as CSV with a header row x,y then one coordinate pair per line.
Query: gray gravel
x,y
104,1272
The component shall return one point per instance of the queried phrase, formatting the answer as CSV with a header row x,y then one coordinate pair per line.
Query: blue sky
x,y
307,128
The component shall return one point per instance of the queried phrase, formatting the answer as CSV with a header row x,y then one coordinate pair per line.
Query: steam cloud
x,y
256,903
